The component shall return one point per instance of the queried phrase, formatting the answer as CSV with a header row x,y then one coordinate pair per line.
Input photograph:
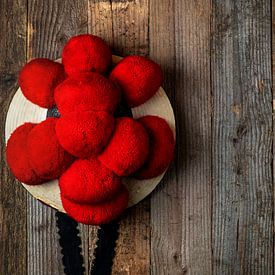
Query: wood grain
x,y
219,193
50,24
273,109
133,245
124,25
166,235
242,138
100,20
180,42
13,216
194,161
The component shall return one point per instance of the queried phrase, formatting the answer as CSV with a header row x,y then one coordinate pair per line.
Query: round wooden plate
x,y
21,110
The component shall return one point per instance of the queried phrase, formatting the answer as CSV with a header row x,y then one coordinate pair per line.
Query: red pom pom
x,y
84,134
89,181
138,77
17,156
84,53
100,213
127,149
161,150
87,92
47,157
38,79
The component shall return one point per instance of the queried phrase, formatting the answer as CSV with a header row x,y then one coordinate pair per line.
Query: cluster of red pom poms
x,y
87,149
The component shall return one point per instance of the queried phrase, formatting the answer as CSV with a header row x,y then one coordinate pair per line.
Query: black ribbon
x,y
70,243
105,249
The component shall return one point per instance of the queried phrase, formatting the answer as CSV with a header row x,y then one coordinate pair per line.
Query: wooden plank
x,y
133,245
13,235
193,94
166,232
181,209
44,254
50,25
124,25
242,138
273,105
100,20
130,27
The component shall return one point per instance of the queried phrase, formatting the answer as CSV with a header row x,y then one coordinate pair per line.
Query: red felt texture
x,y
38,79
89,181
17,156
87,92
96,214
138,77
85,53
84,134
47,157
161,149
128,148
86,148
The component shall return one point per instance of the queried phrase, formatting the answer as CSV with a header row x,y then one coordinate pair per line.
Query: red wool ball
x,y
47,157
89,181
139,78
161,150
85,53
96,214
17,156
38,79
87,92
127,149
84,134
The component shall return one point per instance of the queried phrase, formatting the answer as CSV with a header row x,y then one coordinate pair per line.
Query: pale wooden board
x,y
21,110
181,207
13,199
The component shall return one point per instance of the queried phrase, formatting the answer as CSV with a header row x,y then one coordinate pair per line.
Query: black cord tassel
x,y
70,244
105,249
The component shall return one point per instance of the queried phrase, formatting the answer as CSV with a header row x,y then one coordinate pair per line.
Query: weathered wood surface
x,y
180,43
13,204
273,108
213,212
242,224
